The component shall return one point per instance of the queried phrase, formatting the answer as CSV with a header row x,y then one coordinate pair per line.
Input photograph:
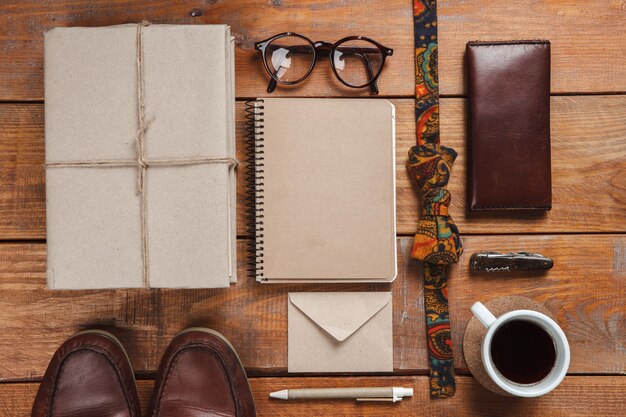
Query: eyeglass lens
x,y
357,62
289,58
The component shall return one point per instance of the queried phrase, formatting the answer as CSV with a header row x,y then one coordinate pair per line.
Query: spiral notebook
x,y
321,178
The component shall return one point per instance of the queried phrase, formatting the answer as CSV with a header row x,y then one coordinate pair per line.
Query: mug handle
x,y
482,314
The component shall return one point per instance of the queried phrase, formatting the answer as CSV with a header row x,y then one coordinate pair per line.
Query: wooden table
x,y
584,232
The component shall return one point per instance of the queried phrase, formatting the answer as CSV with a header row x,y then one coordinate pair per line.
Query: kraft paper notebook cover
x,y
323,175
95,223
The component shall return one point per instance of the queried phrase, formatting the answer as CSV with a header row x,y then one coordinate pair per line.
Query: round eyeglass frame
x,y
316,46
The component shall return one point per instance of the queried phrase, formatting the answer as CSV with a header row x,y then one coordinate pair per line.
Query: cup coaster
x,y
475,331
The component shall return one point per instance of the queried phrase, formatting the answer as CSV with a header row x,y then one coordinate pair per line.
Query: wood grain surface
x,y
588,43
578,396
584,291
584,232
588,168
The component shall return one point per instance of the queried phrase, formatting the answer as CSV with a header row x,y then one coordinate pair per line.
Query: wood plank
x,y
585,291
576,396
576,67
589,170
22,181
588,51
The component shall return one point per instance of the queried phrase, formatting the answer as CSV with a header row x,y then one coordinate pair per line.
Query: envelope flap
x,y
340,314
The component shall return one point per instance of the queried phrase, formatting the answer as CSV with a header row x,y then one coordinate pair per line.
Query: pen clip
x,y
372,399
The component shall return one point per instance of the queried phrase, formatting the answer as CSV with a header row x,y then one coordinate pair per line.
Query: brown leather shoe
x,y
201,376
89,376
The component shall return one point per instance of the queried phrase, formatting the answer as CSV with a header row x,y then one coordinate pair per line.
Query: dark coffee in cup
x,y
523,352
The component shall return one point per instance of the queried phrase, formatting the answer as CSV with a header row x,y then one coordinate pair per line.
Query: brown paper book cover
x,y
106,227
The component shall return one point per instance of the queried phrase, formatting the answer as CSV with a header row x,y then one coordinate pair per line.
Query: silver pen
x,y
392,394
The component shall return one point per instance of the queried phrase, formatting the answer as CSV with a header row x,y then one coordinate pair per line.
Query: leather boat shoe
x,y
89,376
201,376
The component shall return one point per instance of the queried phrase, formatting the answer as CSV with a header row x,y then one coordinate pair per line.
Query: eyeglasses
x,y
356,61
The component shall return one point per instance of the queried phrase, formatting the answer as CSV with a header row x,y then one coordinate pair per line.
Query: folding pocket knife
x,y
503,262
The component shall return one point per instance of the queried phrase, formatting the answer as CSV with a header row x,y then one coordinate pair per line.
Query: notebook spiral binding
x,y
255,169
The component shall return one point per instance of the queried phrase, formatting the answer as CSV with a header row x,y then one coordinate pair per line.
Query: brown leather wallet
x,y
509,125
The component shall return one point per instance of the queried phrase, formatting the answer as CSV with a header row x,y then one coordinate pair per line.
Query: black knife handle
x,y
504,262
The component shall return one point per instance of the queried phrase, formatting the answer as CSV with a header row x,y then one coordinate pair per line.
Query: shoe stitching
x,y
60,370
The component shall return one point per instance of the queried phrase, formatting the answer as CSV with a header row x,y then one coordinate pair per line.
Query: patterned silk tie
x,y
437,242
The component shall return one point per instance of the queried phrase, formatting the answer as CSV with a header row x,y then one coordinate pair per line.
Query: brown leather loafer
x,y
89,376
201,376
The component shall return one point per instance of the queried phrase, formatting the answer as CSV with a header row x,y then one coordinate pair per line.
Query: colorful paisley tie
x,y
437,242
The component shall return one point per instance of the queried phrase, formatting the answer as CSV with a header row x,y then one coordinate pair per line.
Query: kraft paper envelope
x,y
340,332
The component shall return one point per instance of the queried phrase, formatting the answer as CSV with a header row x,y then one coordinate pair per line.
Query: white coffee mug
x,y
561,363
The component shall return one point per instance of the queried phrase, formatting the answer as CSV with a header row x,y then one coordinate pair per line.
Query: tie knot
x,y
437,204
435,209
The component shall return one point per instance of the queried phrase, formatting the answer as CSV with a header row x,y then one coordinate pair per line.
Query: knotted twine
x,y
141,162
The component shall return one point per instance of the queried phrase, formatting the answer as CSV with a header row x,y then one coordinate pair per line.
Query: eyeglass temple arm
x,y
271,86
307,49
370,75
302,49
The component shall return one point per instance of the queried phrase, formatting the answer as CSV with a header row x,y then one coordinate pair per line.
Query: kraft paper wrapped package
x,y
140,168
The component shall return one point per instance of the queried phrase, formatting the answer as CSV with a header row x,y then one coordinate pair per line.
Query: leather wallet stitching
x,y
497,43
510,206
